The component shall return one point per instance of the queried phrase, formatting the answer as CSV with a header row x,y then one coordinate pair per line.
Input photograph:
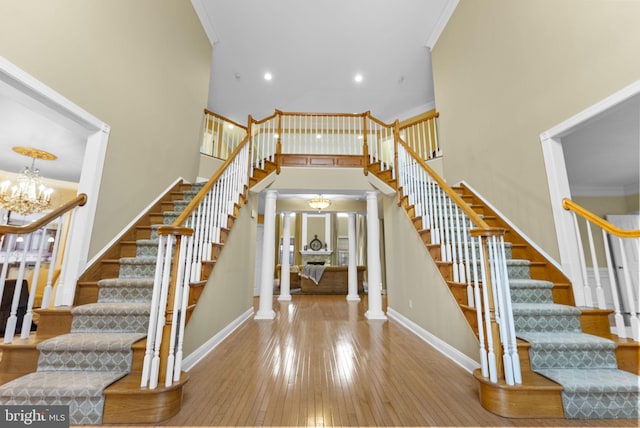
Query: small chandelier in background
x,y
319,203
28,195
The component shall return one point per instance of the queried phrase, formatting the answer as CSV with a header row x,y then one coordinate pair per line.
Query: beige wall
x,y
415,287
141,66
505,71
229,291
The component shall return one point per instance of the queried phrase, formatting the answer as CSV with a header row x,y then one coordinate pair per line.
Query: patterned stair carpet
x,y
75,368
585,365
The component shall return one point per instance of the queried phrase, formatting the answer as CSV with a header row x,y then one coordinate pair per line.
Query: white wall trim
x,y
514,227
441,346
205,20
138,217
79,238
450,7
583,117
558,182
194,358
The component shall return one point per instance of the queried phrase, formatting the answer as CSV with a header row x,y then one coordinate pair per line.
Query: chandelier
x,y
319,203
28,195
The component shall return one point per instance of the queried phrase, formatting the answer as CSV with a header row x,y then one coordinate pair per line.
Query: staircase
x,y
90,356
572,367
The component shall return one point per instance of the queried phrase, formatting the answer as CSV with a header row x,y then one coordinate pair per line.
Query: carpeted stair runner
x,y
75,368
585,365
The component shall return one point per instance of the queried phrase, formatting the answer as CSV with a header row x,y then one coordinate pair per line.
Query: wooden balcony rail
x,y
620,249
16,247
285,134
421,134
220,136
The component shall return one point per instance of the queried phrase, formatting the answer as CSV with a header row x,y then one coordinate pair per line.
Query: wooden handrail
x,y
209,112
432,114
78,201
475,218
290,113
184,216
569,205
379,122
261,121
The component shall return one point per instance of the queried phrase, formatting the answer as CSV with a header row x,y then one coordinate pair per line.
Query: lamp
x,y
319,203
28,195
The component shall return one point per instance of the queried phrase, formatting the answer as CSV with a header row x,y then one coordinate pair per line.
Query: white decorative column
x,y
265,308
353,268
284,266
373,260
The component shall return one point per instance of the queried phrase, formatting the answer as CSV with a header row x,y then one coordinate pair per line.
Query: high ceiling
x,y
314,50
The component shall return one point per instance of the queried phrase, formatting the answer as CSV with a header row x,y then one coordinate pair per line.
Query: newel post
x,y
396,142
250,156
279,143
365,146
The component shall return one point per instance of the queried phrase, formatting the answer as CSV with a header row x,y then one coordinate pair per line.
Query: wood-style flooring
x,y
322,363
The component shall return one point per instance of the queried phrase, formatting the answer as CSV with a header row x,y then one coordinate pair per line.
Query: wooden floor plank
x,y
322,363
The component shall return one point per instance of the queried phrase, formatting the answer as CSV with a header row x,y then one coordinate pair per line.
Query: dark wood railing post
x,y
250,136
365,146
279,142
396,141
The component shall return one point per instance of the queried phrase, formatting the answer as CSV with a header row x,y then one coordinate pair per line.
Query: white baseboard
x,y
194,358
441,346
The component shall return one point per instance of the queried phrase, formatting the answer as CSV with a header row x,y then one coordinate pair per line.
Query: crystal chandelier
x,y
28,195
319,203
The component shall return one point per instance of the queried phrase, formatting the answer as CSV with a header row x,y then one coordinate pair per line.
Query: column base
x,y
268,315
284,297
353,298
375,315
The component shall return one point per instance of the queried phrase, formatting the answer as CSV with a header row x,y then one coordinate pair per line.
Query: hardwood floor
x,y
322,363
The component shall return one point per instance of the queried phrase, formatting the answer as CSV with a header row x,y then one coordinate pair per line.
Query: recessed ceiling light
x,y
358,78
230,125
318,136
268,76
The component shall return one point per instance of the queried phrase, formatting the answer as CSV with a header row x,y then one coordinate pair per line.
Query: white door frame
x,y
558,181
79,238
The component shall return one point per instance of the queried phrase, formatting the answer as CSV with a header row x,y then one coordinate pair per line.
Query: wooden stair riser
x,y
110,269
207,268
53,322
128,249
86,292
17,361
459,291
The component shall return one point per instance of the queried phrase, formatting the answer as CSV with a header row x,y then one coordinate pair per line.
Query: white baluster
x,y
508,314
594,263
5,265
621,330
177,303
583,265
13,319
153,317
162,304
484,365
491,356
634,305
28,316
48,289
